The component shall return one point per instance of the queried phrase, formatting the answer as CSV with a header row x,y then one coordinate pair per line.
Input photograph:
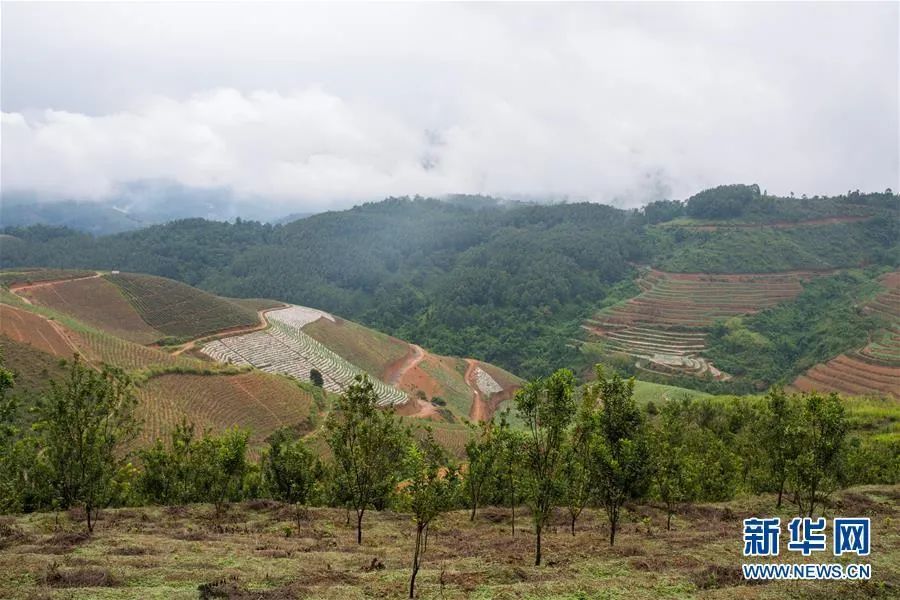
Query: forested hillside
x,y
504,282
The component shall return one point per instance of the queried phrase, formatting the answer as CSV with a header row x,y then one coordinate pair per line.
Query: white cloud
x,y
323,106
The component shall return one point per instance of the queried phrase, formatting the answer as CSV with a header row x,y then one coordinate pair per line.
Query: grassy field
x,y
257,552
366,348
179,310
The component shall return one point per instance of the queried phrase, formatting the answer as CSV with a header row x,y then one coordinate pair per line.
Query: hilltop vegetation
x,y
506,283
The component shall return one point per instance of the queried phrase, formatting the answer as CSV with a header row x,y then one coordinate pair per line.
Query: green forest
x,y
505,282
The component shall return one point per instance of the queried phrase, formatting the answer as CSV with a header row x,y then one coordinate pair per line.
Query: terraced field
x,y
97,302
285,348
179,310
663,327
873,369
256,401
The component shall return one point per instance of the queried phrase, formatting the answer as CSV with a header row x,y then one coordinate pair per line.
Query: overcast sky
x,y
316,106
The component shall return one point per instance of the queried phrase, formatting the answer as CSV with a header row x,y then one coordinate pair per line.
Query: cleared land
x,y
256,401
168,553
873,369
285,348
36,331
371,350
179,310
663,327
97,302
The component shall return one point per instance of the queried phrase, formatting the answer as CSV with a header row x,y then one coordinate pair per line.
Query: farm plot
x,y
873,369
371,350
36,331
663,327
96,302
286,349
256,401
179,310
100,347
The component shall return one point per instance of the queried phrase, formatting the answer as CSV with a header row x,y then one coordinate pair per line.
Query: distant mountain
x,y
136,205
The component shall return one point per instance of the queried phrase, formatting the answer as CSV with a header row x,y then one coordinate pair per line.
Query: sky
x,y
318,106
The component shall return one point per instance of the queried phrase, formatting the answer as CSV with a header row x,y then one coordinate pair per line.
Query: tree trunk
x,y
669,520
90,523
574,516
359,517
612,530
474,508
415,562
780,493
537,546
425,539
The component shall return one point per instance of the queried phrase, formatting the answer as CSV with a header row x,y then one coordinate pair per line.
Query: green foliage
x,y
819,440
218,465
482,453
677,470
620,459
431,489
209,469
546,407
779,343
723,202
289,469
367,445
85,424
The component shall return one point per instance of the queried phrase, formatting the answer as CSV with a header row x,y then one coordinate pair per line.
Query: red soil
x,y
32,329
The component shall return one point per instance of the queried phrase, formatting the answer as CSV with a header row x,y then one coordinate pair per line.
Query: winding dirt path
x,y
479,410
263,323
396,373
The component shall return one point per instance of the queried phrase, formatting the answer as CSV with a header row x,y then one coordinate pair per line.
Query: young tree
x,y
821,432
510,449
165,477
432,489
367,444
482,453
620,453
289,470
577,475
10,489
546,406
85,424
778,437
216,467
675,470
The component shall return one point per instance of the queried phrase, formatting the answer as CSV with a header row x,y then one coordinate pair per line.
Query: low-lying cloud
x,y
604,102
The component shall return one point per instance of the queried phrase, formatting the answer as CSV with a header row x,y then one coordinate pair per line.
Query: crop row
x,y
179,310
259,402
286,349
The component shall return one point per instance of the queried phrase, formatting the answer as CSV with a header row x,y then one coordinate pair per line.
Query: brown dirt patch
x,y
43,334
